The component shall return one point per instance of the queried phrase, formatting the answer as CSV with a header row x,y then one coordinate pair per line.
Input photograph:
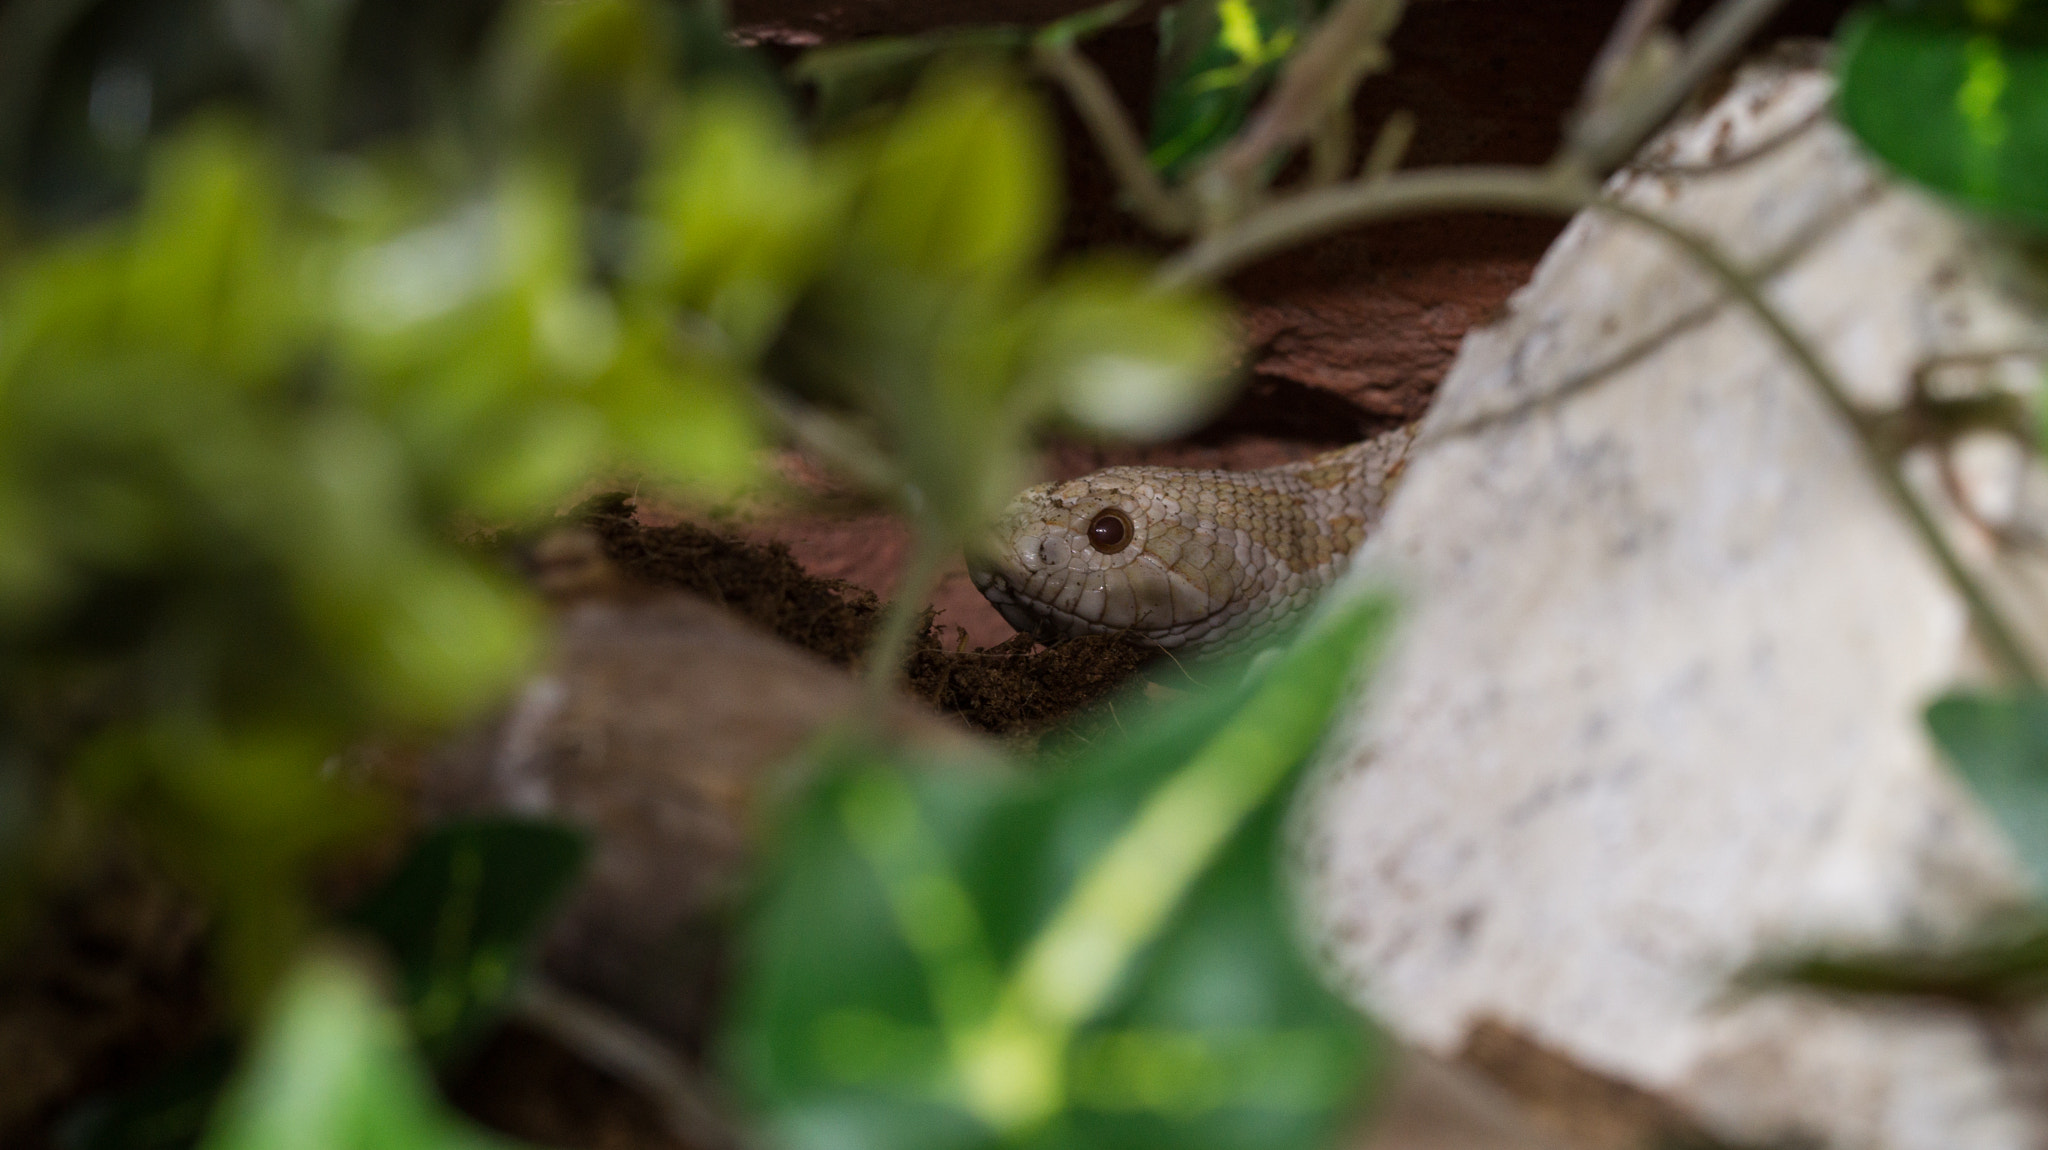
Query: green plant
x,y
245,405
1094,952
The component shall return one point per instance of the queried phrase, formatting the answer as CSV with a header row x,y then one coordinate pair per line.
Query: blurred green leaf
x,y
1215,59
1125,360
741,216
962,187
331,1069
462,915
681,415
1085,23
242,815
569,75
1955,96
2000,747
865,75
512,378
1098,954
936,320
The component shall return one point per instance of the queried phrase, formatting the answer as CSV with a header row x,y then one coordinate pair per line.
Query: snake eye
x,y
1110,532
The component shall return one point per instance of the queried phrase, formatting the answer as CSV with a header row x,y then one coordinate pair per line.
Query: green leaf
x,y
2000,747
1124,360
462,915
331,1070
863,75
1215,58
241,814
1090,954
211,273
962,186
1085,23
1955,97
574,74
740,215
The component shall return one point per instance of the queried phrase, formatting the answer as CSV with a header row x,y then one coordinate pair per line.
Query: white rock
x,y
1655,711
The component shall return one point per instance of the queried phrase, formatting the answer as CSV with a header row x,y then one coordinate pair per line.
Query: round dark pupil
x,y
1106,531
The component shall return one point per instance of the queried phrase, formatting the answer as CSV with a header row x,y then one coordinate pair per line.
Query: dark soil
x,y
1012,688
110,983
523,1084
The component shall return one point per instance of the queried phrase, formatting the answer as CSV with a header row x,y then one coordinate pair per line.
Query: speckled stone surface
x,y
1654,712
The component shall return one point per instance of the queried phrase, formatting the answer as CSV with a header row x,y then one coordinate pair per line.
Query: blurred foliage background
x,y
294,292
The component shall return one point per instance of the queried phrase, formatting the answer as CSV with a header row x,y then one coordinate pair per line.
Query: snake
x,y
1204,562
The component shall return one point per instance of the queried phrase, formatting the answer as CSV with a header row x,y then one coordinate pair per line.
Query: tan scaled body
x,y
1200,561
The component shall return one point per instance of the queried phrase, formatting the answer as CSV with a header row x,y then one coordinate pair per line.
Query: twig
x,y
1390,146
1103,115
616,1045
1554,191
891,642
838,444
1346,45
1608,135
1330,150
1630,30
2000,636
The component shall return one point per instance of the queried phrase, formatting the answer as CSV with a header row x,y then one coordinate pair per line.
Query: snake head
x,y
1117,552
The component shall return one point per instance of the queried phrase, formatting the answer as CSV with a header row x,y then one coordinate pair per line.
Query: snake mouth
x,y
1049,624
1027,616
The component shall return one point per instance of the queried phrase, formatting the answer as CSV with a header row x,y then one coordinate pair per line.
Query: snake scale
x,y
1197,561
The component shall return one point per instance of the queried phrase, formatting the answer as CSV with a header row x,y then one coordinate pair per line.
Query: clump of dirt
x,y
829,617
1007,689
1585,1109
111,982
524,1084
1010,689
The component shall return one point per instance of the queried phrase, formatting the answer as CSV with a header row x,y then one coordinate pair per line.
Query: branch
x,y
1103,115
1330,150
1630,30
2005,645
621,1048
1390,146
1606,136
1536,191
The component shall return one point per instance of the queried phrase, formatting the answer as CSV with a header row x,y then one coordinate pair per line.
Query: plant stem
x,y
1631,29
1552,191
1103,115
1330,150
2003,640
617,1046
890,645
1390,146
1606,136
